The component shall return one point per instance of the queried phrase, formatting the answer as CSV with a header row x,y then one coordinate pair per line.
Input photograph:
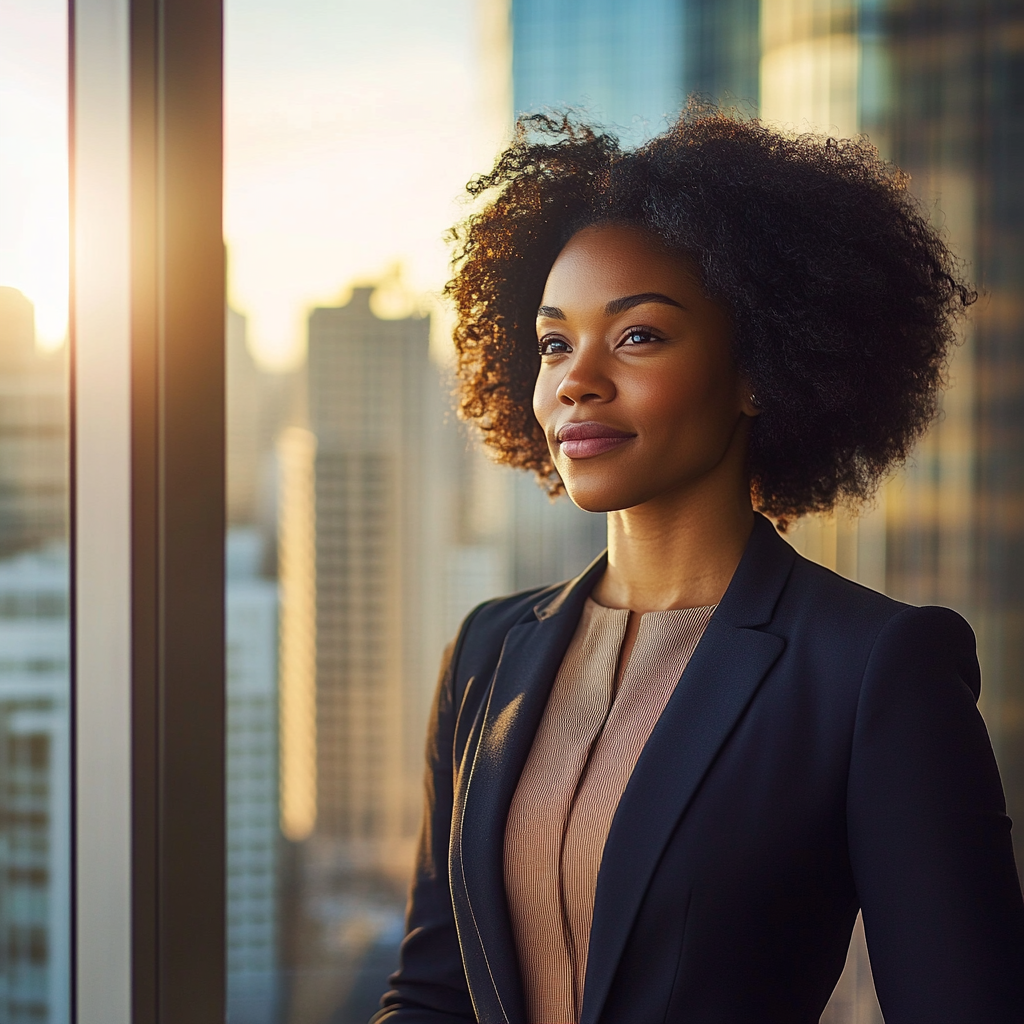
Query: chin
x,y
607,485
598,499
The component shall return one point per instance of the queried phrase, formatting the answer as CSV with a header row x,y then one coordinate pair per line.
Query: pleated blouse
x,y
585,749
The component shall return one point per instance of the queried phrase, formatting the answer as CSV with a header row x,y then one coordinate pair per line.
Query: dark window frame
x,y
146,97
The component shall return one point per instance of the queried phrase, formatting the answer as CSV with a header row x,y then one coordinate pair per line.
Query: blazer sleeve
x,y
929,837
430,986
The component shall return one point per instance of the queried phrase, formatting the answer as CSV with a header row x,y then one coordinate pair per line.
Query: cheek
x,y
698,397
545,398
671,398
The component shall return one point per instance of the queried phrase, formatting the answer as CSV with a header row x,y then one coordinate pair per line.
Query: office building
x,y
253,838
374,410
952,116
34,674
620,64
260,404
244,423
935,86
35,772
33,432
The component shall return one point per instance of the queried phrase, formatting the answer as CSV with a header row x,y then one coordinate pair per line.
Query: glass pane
x,y
34,635
363,525
364,522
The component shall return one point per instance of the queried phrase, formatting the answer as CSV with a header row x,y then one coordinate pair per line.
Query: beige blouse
x,y
586,747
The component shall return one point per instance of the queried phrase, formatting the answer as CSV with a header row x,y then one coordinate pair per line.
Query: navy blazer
x,y
822,753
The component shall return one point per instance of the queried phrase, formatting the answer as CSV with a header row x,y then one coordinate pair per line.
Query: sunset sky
x,y
33,159
351,129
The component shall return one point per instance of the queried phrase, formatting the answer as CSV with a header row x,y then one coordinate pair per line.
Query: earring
x,y
753,400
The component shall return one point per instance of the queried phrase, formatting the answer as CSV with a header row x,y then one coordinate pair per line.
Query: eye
x,y
553,346
639,336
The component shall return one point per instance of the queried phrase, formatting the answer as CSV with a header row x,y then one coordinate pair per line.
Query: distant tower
x,y
373,408
35,773
33,432
252,785
244,393
621,63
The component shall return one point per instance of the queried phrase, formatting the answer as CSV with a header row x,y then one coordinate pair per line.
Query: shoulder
x,y
815,592
844,616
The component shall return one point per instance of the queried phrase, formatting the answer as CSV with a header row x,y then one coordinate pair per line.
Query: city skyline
x,y
35,673
325,210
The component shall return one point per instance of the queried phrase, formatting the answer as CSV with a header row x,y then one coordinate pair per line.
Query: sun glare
x,y
34,160
350,135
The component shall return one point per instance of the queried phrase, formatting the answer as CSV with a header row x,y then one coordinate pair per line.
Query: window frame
x,y
147,534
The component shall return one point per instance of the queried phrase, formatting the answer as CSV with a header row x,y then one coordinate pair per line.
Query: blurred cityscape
x,y
35,771
364,522
413,526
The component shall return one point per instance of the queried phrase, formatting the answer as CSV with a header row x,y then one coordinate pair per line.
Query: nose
x,y
586,377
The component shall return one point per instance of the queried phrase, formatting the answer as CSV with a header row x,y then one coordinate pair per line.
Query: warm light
x,y
342,158
34,162
808,75
296,451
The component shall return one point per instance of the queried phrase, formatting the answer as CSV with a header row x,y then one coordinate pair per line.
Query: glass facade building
x,y
621,64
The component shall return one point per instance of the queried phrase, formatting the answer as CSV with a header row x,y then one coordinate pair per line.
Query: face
x,y
637,391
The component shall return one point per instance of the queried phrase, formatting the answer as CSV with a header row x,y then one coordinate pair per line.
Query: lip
x,y
587,439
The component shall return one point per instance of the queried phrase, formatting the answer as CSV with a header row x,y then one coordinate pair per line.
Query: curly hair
x,y
843,299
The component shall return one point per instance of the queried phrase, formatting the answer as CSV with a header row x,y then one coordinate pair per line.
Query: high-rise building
x,y
34,673
722,51
259,405
949,83
374,409
620,64
35,772
244,423
33,432
253,838
936,84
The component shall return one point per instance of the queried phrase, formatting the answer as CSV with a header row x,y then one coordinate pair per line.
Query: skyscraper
x,y
259,405
35,772
34,673
951,79
253,841
33,432
621,64
374,404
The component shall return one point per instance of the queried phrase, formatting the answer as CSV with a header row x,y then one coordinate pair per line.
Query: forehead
x,y
610,261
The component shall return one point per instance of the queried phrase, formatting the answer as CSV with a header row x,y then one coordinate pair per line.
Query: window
x,y
35,781
279,624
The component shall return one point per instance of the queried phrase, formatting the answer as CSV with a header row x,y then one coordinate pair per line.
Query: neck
x,y
677,551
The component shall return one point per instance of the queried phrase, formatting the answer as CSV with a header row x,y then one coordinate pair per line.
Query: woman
x,y
662,791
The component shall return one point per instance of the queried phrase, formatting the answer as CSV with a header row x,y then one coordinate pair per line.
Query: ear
x,y
748,399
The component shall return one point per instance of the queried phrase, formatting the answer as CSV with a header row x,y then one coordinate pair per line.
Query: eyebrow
x,y
621,305
551,312
616,305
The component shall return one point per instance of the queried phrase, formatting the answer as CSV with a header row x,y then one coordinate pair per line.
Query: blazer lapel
x,y
719,682
530,659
